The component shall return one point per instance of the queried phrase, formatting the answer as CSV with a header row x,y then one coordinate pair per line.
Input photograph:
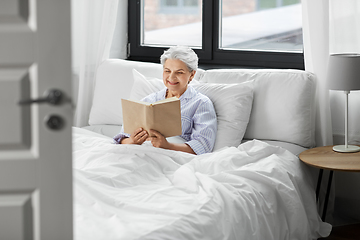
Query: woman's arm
x,y
203,135
160,141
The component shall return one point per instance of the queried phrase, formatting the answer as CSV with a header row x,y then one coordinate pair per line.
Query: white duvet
x,y
255,191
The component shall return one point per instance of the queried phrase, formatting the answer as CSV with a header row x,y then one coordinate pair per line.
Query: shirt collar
x,y
189,93
163,93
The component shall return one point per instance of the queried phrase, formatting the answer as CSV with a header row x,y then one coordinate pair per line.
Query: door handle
x,y
53,97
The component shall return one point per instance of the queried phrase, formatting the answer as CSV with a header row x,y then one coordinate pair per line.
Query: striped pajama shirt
x,y
198,119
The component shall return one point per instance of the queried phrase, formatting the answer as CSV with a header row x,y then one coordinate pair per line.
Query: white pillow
x,y
283,107
114,80
232,103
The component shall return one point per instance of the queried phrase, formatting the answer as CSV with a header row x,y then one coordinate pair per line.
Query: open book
x,y
163,116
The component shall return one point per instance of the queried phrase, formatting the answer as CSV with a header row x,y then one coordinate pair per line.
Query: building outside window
x,y
179,7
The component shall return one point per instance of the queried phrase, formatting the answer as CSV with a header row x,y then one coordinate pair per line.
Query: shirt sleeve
x,y
118,137
204,130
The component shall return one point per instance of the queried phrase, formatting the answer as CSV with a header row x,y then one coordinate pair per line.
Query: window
x,y
247,33
265,4
275,27
179,20
178,6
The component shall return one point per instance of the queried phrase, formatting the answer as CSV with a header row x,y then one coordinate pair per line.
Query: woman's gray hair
x,y
182,53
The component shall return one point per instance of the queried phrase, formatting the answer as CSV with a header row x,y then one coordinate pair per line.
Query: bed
x,y
252,186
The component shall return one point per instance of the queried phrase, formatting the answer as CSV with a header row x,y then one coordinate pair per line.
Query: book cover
x,y
163,116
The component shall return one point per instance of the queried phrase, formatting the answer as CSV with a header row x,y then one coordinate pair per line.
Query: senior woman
x,y
198,118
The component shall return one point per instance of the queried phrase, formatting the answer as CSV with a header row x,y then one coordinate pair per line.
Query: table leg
x,y
327,195
319,184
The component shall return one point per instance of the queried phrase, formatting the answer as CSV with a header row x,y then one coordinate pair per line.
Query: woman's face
x,y
176,76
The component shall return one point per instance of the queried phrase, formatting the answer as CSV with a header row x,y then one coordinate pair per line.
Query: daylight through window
x,y
246,32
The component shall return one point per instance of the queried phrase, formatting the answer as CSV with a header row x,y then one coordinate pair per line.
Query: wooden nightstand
x,y
326,158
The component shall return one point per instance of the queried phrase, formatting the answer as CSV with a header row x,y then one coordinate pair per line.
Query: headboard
x,y
283,104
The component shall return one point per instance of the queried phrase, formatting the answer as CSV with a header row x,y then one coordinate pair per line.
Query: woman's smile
x,y
172,83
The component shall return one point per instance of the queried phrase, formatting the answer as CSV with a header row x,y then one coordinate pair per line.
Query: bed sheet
x,y
112,130
255,191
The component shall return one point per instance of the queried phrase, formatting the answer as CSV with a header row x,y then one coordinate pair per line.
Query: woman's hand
x,y
158,140
137,137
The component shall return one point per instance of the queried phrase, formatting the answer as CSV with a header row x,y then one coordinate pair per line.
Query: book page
x,y
163,116
166,118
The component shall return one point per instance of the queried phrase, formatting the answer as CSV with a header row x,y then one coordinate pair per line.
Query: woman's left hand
x,y
158,140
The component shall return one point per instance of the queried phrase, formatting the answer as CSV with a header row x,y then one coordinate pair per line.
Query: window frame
x,y
210,54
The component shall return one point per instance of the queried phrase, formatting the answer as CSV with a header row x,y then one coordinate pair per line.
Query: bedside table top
x,y
326,158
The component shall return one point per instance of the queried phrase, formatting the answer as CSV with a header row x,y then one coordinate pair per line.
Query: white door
x,y
35,139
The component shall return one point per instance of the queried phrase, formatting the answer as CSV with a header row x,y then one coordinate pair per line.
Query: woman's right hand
x,y
137,137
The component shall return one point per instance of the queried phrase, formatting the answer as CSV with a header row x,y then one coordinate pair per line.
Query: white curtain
x,y
93,24
316,54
